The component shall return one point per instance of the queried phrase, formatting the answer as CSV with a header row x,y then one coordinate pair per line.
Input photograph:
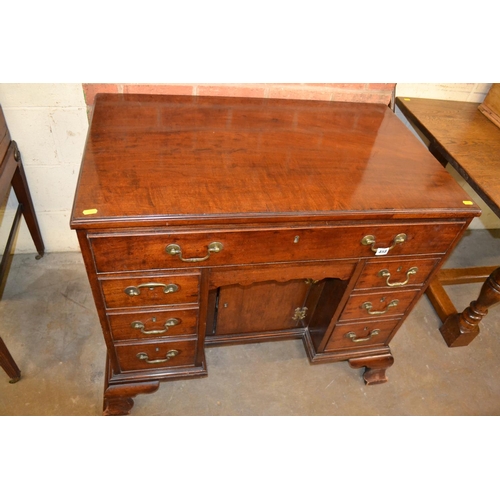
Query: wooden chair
x,y
12,174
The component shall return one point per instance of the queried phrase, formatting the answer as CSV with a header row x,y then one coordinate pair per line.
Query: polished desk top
x,y
188,159
255,220
465,137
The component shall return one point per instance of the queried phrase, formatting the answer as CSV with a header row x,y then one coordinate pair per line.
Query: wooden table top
x,y
465,137
185,159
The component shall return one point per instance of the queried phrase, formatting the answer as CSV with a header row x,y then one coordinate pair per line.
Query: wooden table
x,y
12,175
459,134
208,221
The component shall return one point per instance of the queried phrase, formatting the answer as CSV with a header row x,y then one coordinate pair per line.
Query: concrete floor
x,y
50,325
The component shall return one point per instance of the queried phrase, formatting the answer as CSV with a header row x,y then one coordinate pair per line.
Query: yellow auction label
x,y
467,202
90,211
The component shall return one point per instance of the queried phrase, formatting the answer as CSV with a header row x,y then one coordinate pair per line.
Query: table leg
x,y
461,329
8,364
375,367
20,185
118,398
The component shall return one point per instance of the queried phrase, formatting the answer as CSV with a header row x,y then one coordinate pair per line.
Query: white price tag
x,y
382,251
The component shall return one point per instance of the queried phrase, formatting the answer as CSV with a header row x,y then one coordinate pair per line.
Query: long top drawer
x,y
115,252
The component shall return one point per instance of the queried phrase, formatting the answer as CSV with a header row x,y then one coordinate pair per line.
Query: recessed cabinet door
x,y
269,306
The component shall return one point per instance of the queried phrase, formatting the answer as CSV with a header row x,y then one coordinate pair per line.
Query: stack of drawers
x,y
153,320
381,297
152,295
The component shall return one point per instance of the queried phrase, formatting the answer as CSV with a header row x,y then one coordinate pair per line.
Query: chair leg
x,y
20,185
8,364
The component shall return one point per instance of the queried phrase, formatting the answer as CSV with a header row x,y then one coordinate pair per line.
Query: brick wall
x,y
351,92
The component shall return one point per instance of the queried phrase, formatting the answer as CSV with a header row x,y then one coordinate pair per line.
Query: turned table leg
x,y
460,329
375,367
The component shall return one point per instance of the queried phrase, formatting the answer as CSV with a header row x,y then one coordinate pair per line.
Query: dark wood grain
x,y
395,274
340,338
114,290
247,275
375,368
4,135
380,304
21,189
186,158
8,364
253,246
290,190
8,167
156,355
153,321
260,307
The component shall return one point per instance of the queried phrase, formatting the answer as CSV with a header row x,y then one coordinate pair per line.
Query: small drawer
x,y
184,249
156,356
395,274
150,291
151,325
375,305
356,335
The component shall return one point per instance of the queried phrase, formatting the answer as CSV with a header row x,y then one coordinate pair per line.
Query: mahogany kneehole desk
x,y
206,221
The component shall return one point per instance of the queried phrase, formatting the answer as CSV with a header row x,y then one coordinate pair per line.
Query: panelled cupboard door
x,y
261,307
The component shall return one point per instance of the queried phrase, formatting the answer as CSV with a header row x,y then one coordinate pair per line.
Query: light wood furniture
x,y
12,175
207,221
490,107
459,134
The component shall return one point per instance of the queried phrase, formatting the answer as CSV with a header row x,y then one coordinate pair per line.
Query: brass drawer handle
x,y
300,313
139,325
384,273
170,354
368,306
214,247
370,240
352,336
136,290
